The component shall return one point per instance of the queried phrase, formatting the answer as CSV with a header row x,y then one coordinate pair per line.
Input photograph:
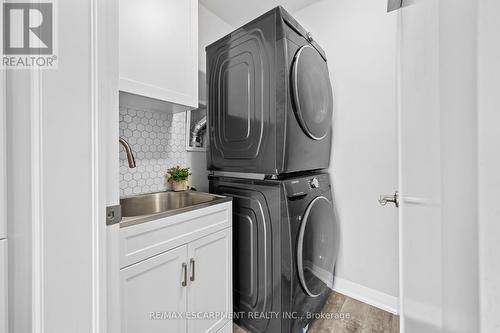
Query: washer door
x,y
317,247
312,92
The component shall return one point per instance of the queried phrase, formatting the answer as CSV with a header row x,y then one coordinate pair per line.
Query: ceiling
x,y
239,12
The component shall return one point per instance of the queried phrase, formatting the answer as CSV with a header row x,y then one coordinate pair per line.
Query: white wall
x,y
210,29
359,38
489,164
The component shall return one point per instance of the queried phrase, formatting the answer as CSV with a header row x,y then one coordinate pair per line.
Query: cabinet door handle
x,y
184,269
192,262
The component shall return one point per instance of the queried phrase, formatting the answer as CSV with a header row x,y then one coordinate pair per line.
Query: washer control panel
x,y
305,185
314,182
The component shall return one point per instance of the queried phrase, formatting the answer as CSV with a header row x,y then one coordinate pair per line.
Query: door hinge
x,y
113,214
394,5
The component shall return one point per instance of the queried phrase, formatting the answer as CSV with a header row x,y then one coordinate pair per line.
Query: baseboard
x,y
367,295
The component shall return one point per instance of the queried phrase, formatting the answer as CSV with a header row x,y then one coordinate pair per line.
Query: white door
x,y
58,154
152,290
210,278
437,161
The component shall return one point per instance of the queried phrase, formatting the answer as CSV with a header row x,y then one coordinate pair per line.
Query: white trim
x,y
3,145
95,165
138,102
140,88
3,151
401,209
193,32
105,120
367,295
37,221
4,290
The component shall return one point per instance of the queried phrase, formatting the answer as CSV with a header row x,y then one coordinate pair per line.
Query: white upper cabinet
x,y
159,49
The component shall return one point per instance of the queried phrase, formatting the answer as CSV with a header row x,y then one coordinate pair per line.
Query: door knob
x,y
394,198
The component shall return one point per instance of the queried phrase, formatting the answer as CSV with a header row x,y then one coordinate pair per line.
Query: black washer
x,y
285,244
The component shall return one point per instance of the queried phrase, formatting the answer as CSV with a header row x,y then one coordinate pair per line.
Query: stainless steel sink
x,y
146,207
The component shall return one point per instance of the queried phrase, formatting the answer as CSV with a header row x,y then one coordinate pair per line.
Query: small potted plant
x,y
177,178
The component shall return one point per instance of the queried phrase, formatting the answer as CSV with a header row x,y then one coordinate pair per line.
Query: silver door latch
x,y
394,198
113,214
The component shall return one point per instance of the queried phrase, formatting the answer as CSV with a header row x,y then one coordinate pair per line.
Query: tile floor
x,y
363,318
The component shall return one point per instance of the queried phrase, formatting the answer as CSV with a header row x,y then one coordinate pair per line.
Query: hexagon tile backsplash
x,y
158,141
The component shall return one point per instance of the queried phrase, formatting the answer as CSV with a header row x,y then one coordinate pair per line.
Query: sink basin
x,y
147,207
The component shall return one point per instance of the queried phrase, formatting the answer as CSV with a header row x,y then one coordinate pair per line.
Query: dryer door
x,y
317,247
312,92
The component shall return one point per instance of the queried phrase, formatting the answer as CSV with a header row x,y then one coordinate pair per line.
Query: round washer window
x,y
312,92
317,247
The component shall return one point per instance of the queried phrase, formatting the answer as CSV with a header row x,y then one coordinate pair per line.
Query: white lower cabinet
x,y
185,289
153,289
210,290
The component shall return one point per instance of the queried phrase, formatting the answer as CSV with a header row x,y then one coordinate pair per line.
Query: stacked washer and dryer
x,y
269,124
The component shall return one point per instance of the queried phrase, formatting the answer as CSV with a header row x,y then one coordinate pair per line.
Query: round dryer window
x,y
317,247
312,92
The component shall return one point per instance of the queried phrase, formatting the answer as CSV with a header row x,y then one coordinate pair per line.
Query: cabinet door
x,y
210,275
159,49
152,290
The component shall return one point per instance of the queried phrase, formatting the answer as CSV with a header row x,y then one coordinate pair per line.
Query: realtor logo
x,y
28,35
